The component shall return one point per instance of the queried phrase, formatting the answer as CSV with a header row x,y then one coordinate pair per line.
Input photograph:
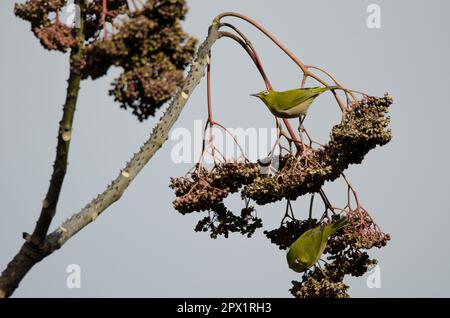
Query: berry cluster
x,y
203,189
153,51
362,233
318,284
148,43
221,221
365,127
296,177
52,34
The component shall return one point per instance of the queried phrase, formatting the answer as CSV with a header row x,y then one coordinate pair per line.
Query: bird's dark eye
x,y
297,261
266,92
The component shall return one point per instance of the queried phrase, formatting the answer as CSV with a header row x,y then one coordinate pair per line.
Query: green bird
x,y
308,248
292,103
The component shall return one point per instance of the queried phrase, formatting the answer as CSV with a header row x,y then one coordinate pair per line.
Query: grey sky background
x,y
141,247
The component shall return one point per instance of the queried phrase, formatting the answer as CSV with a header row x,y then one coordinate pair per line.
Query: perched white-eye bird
x,y
292,103
308,248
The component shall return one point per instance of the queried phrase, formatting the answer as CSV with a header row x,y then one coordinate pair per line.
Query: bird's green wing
x,y
288,99
312,92
294,97
332,228
311,242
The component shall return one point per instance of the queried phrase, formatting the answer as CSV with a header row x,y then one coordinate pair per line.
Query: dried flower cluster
x,y
204,190
364,128
362,234
221,221
53,34
148,43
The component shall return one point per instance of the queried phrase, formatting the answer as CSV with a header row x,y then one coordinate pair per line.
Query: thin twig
x,y
311,203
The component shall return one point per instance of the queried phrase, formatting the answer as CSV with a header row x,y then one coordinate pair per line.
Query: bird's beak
x,y
255,95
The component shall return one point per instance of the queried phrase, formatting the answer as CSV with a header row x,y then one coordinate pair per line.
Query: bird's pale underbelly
x,y
295,111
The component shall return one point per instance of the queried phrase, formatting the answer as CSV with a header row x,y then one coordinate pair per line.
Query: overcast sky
x,y
141,247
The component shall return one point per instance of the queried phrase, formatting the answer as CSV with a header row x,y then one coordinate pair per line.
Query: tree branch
x,y
31,254
62,149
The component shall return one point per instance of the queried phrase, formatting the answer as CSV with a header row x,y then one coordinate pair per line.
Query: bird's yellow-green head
x,y
266,96
298,262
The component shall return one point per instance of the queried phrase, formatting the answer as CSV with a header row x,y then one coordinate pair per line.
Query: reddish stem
x,y
134,4
355,195
104,13
208,89
302,66
252,53
57,20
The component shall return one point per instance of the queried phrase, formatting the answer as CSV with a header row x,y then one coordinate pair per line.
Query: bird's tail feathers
x,y
332,87
324,89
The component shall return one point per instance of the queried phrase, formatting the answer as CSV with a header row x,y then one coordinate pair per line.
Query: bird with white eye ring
x,y
308,248
292,103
